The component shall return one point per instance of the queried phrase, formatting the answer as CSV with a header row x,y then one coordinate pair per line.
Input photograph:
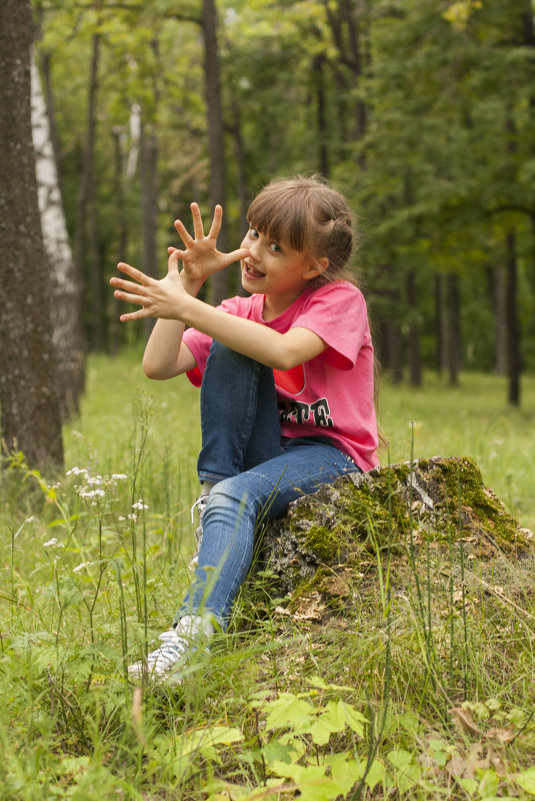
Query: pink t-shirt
x,y
332,394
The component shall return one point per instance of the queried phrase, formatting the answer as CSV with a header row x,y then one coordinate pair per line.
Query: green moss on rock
x,y
430,501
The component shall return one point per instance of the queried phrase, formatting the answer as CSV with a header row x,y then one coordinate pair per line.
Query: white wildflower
x,y
77,471
50,543
119,477
91,494
80,567
140,505
30,519
121,518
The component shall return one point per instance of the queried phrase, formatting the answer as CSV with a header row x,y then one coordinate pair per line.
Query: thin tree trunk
x,y
85,228
149,205
512,323
31,420
321,115
243,197
454,328
500,326
414,355
219,283
122,236
441,332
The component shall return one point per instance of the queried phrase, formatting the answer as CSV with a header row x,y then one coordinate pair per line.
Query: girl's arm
x,y
173,301
174,307
165,356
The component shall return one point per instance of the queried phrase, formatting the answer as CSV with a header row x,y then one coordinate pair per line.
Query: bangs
x,y
281,215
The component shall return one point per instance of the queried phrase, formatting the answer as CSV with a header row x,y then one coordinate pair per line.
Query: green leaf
x,y
345,771
349,716
203,740
526,780
318,682
311,780
289,710
375,774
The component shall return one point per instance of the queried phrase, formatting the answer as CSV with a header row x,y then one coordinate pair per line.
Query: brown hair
x,y
307,215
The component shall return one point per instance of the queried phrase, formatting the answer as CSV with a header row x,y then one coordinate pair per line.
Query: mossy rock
x,y
334,541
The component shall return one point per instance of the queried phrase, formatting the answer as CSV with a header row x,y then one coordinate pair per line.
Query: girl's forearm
x,y
161,352
161,357
252,339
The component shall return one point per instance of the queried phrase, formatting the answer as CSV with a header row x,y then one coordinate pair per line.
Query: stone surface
x,y
436,509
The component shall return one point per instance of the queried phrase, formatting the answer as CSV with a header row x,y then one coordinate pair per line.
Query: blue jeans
x,y
256,472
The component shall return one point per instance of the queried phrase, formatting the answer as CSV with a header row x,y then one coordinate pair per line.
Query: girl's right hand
x,y
201,258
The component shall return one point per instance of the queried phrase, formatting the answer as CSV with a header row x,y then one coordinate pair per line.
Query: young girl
x,y
286,379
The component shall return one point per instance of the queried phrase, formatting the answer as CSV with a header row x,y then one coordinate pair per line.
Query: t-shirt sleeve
x,y
337,313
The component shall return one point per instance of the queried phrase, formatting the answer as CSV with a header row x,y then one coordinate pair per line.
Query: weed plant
x,y
427,692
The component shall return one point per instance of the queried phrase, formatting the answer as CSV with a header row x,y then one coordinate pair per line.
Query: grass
x,y
393,702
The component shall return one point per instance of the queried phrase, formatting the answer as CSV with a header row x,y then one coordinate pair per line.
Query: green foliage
x,y
383,701
422,112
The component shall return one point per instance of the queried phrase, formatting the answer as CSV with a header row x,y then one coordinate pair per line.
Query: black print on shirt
x,y
298,412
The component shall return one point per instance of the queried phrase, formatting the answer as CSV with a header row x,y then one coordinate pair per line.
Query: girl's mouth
x,y
251,272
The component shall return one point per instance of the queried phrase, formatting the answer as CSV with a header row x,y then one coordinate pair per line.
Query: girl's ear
x,y
316,267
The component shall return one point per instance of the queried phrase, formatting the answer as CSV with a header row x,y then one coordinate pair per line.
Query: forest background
x,y
423,113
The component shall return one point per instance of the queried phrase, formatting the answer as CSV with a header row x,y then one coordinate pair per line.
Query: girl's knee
x,y
227,492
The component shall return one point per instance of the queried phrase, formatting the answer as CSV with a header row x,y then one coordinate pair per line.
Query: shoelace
x,y
200,506
171,650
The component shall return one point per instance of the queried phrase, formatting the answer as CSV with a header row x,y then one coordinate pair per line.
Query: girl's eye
x,y
253,232
275,248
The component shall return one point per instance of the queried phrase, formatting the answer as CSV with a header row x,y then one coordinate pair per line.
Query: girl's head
x,y
307,215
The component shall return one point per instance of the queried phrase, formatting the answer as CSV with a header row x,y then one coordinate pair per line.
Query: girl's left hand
x,y
157,298
200,259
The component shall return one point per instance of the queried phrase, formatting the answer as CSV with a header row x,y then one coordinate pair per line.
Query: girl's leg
x,y
239,416
233,508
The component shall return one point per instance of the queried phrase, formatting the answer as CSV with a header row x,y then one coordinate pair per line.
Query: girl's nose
x,y
254,248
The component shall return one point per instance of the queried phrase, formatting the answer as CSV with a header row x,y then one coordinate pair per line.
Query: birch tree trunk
x,y
65,289
31,420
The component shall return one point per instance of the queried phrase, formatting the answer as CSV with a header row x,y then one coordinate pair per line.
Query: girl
x,y
286,379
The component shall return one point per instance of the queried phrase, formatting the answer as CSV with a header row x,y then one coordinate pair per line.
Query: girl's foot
x,y
179,644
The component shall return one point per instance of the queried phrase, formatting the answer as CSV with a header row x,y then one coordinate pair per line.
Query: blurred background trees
x,y
421,111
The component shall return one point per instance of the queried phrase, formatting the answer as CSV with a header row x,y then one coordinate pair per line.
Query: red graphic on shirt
x,y
292,380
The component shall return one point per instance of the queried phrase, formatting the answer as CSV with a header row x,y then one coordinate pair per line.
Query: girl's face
x,y
276,270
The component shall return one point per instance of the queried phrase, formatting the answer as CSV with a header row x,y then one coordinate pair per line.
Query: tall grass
x,y
426,691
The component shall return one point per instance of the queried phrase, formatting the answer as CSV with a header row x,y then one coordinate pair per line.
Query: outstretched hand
x,y
200,259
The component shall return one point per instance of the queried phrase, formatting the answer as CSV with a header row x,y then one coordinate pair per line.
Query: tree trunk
x,y
243,195
442,336
31,420
454,328
65,301
321,116
512,324
85,230
219,283
149,205
500,326
122,237
414,355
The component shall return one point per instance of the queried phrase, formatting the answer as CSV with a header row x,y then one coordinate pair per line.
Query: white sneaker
x,y
200,506
178,645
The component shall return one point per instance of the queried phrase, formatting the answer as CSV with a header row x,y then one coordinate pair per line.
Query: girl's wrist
x,y
192,286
